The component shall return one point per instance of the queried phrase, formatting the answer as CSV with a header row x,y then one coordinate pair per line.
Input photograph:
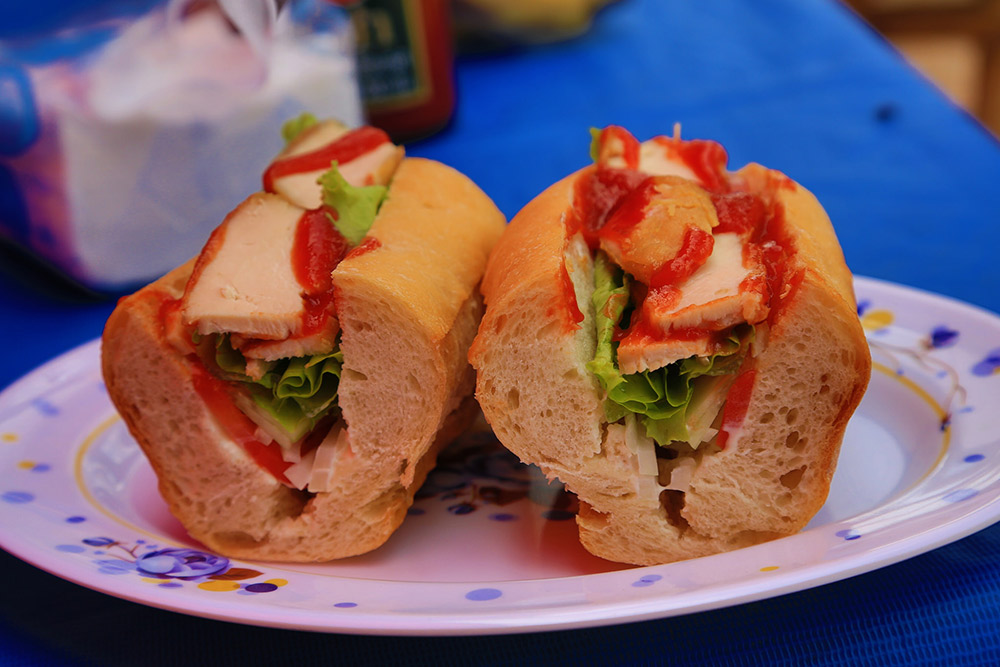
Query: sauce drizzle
x,y
777,249
629,212
694,252
317,249
707,159
630,145
597,193
569,297
738,212
369,244
345,148
737,403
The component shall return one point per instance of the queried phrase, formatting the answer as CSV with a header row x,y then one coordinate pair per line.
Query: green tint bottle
x,y
405,65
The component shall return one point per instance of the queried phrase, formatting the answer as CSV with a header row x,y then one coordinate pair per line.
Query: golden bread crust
x,y
409,309
532,381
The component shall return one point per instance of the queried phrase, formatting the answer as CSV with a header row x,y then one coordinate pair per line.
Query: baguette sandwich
x,y
677,343
292,385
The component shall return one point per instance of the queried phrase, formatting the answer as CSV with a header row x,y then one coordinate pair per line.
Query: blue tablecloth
x,y
910,183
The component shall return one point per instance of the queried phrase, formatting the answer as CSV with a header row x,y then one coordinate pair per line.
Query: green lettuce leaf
x,y
355,206
292,128
659,398
611,296
595,144
293,393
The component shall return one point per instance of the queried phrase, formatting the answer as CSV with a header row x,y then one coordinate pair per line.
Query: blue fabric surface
x,y
800,87
909,181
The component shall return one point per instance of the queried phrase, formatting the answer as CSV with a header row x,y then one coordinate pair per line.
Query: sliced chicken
x,y
637,354
657,222
657,159
244,281
374,167
728,289
321,342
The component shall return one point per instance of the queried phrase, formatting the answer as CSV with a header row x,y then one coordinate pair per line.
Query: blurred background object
x,y
489,25
405,64
955,43
128,129
406,50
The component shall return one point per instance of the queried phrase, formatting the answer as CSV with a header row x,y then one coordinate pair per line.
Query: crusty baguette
x,y
408,311
544,405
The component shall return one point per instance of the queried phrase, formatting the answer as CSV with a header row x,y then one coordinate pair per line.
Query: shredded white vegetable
x,y
644,450
300,473
324,465
641,445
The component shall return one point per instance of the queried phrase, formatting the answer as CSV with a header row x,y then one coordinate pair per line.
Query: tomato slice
x,y
237,425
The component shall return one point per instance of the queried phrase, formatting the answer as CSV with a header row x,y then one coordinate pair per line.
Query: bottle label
x,y
392,53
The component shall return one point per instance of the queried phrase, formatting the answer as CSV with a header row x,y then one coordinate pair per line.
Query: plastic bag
x,y
125,141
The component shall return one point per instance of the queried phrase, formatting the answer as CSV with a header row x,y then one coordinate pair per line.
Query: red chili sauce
x,y
346,148
643,332
737,402
597,193
770,239
738,212
366,246
777,249
695,250
569,297
630,145
618,197
707,159
628,211
316,251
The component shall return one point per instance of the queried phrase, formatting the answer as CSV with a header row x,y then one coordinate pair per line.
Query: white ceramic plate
x,y
489,546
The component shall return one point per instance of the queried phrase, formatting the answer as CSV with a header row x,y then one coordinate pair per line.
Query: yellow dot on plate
x,y
8,437
219,585
769,568
277,582
877,319
151,580
26,465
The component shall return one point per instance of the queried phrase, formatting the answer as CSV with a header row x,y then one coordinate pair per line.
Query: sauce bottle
x,y
405,64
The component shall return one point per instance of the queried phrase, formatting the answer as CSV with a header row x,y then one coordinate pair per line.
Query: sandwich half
x,y
292,385
675,342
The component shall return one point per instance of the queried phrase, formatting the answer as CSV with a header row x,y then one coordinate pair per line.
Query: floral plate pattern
x,y
490,546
